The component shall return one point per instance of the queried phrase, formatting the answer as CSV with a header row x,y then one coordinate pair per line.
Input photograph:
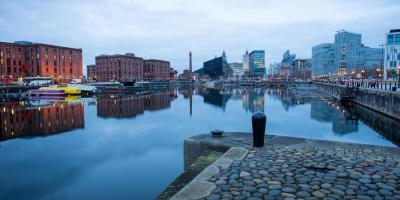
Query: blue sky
x,y
169,29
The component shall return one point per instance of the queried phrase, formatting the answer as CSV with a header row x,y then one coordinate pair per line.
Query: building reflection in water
x,y
344,120
29,119
127,106
253,100
216,97
290,98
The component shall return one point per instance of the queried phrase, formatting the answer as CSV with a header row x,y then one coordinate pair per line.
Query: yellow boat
x,y
59,90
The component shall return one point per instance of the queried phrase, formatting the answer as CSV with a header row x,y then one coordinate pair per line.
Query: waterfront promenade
x,y
292,168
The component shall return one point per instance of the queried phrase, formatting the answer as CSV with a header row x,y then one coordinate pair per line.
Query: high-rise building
x,y
288,69
347,51
273,70
257,63
246,61
124,68
350,57
323,60
28,59
91,72
392,54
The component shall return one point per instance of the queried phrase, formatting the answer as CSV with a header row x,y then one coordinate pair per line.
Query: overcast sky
x,y
169,29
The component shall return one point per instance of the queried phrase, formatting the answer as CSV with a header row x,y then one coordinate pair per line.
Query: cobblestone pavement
x,y
294,168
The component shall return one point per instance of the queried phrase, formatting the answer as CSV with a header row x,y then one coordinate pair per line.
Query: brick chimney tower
x,y
190,66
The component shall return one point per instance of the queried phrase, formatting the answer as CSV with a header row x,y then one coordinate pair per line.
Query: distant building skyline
x,y
152,29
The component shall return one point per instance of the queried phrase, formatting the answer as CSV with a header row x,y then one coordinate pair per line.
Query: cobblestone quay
x,y
295,168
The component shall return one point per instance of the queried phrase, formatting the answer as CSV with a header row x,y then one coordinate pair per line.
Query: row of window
x,y
393,57
116,63
56,70
55,57
393,39
37,56
19,69
111,73
14,63
38,50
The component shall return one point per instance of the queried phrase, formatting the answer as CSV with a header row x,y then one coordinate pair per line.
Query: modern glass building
x,y
392,54
371,57
288,63
347,51
346,57
257,63
323,60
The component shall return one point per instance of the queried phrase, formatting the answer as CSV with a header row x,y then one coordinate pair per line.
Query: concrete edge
x,y
199,187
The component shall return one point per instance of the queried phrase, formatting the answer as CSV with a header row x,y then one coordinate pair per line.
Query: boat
x,y
56,90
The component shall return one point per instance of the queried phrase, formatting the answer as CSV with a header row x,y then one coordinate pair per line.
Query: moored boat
x,y
58,90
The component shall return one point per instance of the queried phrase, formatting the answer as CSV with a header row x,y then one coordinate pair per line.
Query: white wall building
x,y
237,69
246,61
392,55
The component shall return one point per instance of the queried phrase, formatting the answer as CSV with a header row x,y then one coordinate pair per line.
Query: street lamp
x,y
398,74
377,73
362,75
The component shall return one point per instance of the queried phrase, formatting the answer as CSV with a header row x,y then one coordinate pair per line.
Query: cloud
x,y
170,29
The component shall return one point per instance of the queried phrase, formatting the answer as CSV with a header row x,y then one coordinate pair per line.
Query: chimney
x,y
190,65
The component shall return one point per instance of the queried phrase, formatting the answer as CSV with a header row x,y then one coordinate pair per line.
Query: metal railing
x,y
372,84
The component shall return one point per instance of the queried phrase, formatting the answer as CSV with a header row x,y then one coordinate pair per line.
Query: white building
x,y
392,55
246,61
237,69
273,70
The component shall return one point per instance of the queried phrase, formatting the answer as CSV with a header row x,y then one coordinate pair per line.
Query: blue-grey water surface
x,y
131,146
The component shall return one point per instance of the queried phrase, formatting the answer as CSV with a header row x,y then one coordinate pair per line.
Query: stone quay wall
x,y
383,101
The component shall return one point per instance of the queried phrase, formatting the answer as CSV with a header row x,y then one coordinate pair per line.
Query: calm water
x,y
130,147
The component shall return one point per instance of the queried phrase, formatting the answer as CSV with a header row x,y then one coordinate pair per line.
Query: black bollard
x,y
258,121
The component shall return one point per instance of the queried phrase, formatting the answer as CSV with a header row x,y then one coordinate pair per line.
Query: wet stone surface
x,y
308,169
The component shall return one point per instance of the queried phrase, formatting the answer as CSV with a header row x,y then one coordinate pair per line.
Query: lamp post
x,y
362,76
398,75
377,73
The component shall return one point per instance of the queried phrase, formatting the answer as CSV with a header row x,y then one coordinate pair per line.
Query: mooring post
x,y
258,121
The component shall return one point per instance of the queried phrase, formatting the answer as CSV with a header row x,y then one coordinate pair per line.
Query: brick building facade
x,y
117,67
173,74
27,59
91,72
157,70
129,68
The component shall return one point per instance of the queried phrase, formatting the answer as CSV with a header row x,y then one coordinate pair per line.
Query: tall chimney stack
x,y
190,66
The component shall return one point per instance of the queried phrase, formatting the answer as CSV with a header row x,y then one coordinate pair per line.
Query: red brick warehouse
x,y
129,68
27,59
118,67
